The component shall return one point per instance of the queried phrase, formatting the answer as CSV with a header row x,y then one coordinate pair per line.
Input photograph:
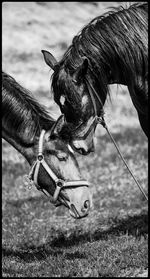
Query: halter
x,y
59,183
100,120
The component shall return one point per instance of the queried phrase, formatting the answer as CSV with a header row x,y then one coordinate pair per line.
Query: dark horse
x,y
23,119
112,48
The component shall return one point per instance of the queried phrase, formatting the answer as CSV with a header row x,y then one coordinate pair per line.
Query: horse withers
x,y
112,48
28,127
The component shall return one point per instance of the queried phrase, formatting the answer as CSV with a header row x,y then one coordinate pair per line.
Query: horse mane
x,y
106,36
115,40
20,109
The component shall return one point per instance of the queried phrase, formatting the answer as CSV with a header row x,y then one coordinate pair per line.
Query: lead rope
x,y
103,123
100,120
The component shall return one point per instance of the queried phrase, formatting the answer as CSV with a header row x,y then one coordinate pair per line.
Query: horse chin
x,y
72,210
74,213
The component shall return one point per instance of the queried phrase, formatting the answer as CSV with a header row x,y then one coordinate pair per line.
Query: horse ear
x,y
82,69
49,59
58,126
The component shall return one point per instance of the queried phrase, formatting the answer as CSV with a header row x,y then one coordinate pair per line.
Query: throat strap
x,y
91,91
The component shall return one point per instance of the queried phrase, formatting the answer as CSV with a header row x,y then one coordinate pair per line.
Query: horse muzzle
x,y
81,203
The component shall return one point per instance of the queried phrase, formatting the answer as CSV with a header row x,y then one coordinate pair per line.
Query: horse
x,y
28,127
111,48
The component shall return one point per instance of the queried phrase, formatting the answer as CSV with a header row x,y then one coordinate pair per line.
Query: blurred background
x,y
29,27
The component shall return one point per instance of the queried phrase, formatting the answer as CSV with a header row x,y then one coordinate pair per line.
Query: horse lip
x,y
74,210
77,216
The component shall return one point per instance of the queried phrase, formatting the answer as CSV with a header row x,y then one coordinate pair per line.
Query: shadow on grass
x,y
136,226
34,254
40,254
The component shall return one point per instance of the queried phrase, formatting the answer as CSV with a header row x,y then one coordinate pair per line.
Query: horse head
x,y
75,94
56,172
33,132
100,55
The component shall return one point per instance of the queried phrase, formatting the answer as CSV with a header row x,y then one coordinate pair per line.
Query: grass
x,y
111,258
39,240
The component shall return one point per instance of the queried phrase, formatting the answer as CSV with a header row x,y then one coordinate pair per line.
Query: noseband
x,y
96,120
59,183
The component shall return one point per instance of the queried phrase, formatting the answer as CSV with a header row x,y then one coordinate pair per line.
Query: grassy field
x,y
39,240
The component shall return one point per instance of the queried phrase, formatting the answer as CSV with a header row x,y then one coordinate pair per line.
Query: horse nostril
x,y
86,207
86,204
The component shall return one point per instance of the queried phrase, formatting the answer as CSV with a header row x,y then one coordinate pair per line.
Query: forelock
x,y
62,85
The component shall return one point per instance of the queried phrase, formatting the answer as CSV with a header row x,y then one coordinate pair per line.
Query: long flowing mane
x,y
116,40
21,110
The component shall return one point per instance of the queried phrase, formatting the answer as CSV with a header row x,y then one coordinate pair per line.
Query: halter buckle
x,y
100,120
40,157
60,183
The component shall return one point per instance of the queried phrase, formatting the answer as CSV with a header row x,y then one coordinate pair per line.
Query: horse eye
x,y
62,156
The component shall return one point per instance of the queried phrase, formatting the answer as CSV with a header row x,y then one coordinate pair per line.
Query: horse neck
x,y
108,42
23,118
29,152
